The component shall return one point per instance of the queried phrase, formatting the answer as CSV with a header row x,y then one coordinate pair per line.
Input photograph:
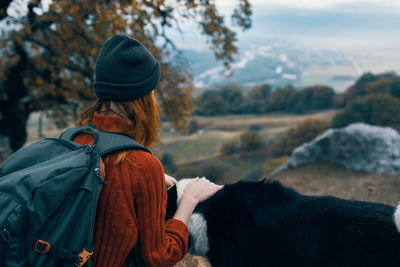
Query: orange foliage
x,y
52,55
305,132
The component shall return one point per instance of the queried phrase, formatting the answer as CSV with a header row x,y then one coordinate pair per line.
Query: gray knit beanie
x,y
125,70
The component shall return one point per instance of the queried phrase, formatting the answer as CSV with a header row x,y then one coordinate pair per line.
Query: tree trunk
x,y
40,125
4,4
5,148
13,124
13,112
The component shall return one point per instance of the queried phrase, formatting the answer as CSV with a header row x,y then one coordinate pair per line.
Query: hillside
x,y
202,149
215,131
313,179
276,63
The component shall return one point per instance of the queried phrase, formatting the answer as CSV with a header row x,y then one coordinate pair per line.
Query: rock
x,y
359,146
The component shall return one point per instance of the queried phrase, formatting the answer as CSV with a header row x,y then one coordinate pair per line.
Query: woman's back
x,y
132,204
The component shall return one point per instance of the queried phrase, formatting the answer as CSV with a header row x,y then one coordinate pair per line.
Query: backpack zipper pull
x,y
89,148
97,171
5,235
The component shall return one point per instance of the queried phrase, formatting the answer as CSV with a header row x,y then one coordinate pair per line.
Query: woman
x,y
132,206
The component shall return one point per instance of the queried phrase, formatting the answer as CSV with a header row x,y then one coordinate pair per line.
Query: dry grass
x,y
270,121
333,179
193,261
222,129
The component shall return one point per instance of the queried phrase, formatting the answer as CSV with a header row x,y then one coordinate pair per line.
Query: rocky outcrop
x,y
358,146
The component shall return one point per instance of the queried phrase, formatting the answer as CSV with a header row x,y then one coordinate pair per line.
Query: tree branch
x,y
4,4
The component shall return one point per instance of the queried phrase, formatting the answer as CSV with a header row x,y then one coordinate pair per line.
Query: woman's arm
x,y
161,243
169,180
198,190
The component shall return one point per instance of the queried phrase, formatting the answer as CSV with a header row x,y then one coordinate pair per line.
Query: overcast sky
x,y
358,21
345,5
322,4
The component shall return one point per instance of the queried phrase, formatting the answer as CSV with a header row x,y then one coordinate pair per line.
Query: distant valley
x,y
277,64
303,47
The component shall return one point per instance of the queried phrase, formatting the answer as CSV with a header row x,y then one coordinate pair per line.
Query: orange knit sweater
x,y
133,205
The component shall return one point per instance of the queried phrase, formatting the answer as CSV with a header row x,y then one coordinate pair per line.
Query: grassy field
x,y
315,179
325,178
219,130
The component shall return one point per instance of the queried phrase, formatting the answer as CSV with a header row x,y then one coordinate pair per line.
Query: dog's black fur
x,y
266,224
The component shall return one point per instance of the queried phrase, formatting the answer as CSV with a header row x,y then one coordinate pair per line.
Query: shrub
x,y
322,97
315,97
233,95
250,141
213,170
277,147
375,109
215,105
305,132
257,98
193,127
168,163
255,174
299,108
230,148
188,171
369,83
282,99
255,127
211,103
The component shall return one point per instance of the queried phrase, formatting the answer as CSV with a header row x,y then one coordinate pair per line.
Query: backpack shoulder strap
x,y
104,142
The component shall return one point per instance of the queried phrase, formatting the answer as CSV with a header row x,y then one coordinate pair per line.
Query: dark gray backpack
x,y
48,199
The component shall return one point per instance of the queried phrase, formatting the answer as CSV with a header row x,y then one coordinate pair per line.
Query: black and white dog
x,y
266,224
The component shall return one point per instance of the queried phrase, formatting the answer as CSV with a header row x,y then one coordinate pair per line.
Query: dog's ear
x,y
172,204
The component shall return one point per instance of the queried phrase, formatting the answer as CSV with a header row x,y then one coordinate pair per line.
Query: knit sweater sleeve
x,y
162,243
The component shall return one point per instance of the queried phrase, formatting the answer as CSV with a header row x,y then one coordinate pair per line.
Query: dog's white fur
x,y
396,217
197,224
180,189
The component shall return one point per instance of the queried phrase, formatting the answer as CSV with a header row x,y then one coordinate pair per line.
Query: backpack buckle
x,y
84,256
42,247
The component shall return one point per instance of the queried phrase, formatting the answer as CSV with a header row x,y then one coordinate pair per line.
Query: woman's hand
x,y
169,180
200,189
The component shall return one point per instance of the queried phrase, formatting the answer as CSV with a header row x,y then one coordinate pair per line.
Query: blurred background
x,y
305,92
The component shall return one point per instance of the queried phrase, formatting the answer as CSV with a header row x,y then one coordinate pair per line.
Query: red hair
x,y
141,115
